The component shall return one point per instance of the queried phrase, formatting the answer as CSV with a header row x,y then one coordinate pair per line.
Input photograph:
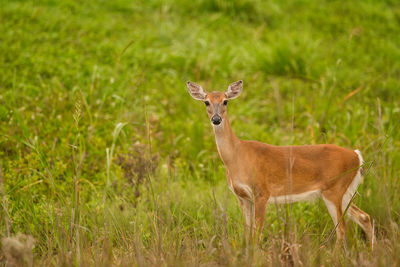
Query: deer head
x,y
216,102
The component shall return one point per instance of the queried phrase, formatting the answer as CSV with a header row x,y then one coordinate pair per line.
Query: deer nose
x,y
216,119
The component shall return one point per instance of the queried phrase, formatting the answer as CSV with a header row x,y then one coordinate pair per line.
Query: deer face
x,y
216,102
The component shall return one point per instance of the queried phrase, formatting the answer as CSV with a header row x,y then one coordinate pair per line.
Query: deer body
x,y
259,173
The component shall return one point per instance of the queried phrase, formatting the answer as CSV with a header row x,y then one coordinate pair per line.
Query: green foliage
x,y
91,89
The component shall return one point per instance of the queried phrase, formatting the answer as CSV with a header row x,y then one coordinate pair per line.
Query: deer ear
x,y
196,91
234,90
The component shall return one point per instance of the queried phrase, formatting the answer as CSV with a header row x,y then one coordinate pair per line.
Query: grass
x,y
106,160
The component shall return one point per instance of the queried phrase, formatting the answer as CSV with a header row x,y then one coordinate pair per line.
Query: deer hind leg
x,y
363,220
335,210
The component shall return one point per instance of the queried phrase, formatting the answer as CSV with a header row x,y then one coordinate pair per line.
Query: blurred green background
x,y
103,151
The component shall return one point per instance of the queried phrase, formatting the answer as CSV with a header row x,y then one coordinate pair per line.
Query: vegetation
x,y
106,159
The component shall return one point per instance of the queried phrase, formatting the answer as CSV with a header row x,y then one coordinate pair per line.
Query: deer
x,y
259,173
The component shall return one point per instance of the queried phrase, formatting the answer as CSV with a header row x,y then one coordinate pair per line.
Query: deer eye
x,y
225,102
207,103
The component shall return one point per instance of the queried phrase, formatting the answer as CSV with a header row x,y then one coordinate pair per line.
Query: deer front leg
x,y
254,215
260,209
248,214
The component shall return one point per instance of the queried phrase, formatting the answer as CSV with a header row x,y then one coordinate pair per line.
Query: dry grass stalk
x,y
17,250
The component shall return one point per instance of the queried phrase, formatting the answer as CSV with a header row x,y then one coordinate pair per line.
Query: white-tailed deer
x,y
259,173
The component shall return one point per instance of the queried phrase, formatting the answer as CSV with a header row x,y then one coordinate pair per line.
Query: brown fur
x,y
258,171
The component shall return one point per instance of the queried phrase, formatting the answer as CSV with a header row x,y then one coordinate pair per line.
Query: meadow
x,y
105,159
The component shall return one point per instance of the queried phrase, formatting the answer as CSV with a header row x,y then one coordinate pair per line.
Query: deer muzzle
x,y
216,119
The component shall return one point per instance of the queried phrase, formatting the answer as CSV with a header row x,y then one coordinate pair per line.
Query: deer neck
x,y
226,141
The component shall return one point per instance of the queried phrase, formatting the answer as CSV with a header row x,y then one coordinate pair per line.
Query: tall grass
x,y
105,159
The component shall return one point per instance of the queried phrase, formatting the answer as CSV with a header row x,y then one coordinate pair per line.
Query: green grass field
x,y
106,159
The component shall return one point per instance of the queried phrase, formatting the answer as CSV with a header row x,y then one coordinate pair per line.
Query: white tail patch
x,y
354,184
